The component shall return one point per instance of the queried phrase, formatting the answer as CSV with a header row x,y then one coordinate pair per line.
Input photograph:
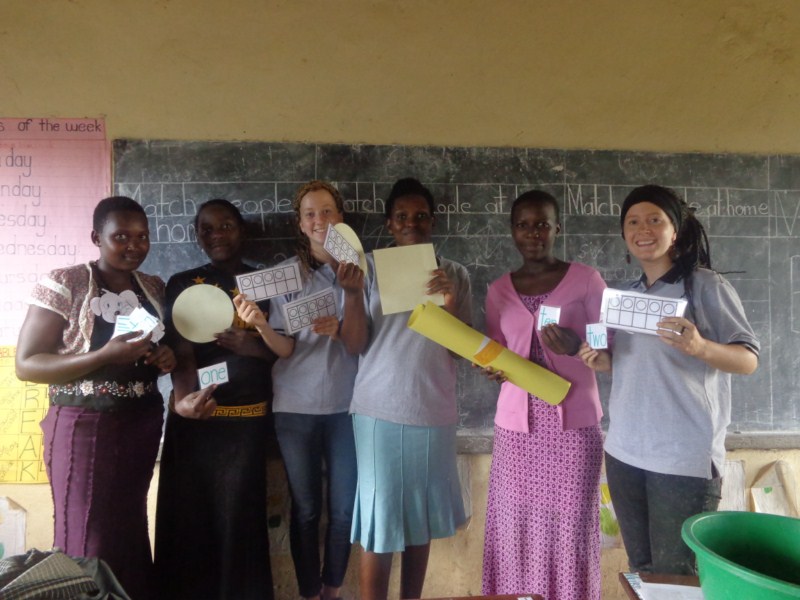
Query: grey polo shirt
x,y
317,379
669,411
403,377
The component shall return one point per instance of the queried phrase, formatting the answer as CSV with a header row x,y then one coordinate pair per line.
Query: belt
x,y
105,396
246,410
88,387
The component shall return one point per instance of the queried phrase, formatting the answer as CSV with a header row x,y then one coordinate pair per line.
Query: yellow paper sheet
x,y
403,274
443,328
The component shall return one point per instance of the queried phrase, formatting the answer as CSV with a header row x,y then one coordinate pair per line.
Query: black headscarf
x,y
690,250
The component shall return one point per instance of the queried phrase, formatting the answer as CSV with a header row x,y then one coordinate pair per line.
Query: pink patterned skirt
x,y
542,518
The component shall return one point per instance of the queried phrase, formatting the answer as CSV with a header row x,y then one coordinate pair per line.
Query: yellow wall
x,y
664,75
676,75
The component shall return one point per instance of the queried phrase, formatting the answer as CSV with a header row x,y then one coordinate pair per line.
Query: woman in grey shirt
x,y
404,407
670,398
312,387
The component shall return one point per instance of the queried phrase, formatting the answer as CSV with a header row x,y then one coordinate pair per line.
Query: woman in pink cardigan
x,y
542,529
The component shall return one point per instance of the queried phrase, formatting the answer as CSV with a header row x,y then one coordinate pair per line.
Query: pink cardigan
x,y
509,322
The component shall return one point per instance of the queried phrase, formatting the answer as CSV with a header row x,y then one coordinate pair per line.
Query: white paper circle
x,y
201,311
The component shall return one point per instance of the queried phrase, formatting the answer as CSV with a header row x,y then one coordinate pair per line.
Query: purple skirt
x,y
543,514
100,465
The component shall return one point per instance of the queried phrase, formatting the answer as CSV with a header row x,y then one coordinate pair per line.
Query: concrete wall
x,y
673,75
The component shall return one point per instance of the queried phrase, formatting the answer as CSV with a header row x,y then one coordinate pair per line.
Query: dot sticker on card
x,y
201,311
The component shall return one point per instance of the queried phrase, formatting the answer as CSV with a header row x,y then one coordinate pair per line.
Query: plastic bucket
x,y
745,555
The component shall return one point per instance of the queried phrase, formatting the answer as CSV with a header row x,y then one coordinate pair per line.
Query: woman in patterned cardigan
x,y
103,428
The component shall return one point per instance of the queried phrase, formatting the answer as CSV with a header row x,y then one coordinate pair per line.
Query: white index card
x,y
302,313
339,248
548,315
638,313
212,374
268,283
138,320
597,336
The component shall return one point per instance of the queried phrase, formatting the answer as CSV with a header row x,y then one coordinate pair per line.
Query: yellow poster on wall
x,y
22,406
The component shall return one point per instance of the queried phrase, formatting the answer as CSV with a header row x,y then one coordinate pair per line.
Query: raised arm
x,y
727,341
251,314
440,283
353,332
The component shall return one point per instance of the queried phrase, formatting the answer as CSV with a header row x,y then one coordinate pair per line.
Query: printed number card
x,y
597,336
548,315
638,313
302,313
268,283
212,374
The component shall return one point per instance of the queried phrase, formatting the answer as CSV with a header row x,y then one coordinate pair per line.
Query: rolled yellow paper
x,y
440,326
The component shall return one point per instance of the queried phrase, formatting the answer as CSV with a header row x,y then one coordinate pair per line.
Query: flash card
x,y
339,248
637,312
212,374
302,313
268,283
548,315
597,336
138,320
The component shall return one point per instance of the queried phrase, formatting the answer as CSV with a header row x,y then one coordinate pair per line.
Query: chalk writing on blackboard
x,y
749,204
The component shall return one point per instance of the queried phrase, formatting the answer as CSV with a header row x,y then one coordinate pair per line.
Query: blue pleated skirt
x,y
408,488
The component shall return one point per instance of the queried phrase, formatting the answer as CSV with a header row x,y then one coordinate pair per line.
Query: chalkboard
x,y
749,204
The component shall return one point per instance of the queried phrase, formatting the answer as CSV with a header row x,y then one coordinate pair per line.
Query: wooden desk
x,y
653,578
502,597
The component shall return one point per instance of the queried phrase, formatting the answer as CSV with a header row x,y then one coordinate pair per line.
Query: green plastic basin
x,y
745,555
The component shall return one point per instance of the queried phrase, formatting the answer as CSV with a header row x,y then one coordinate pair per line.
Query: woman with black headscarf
x,y
670,399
